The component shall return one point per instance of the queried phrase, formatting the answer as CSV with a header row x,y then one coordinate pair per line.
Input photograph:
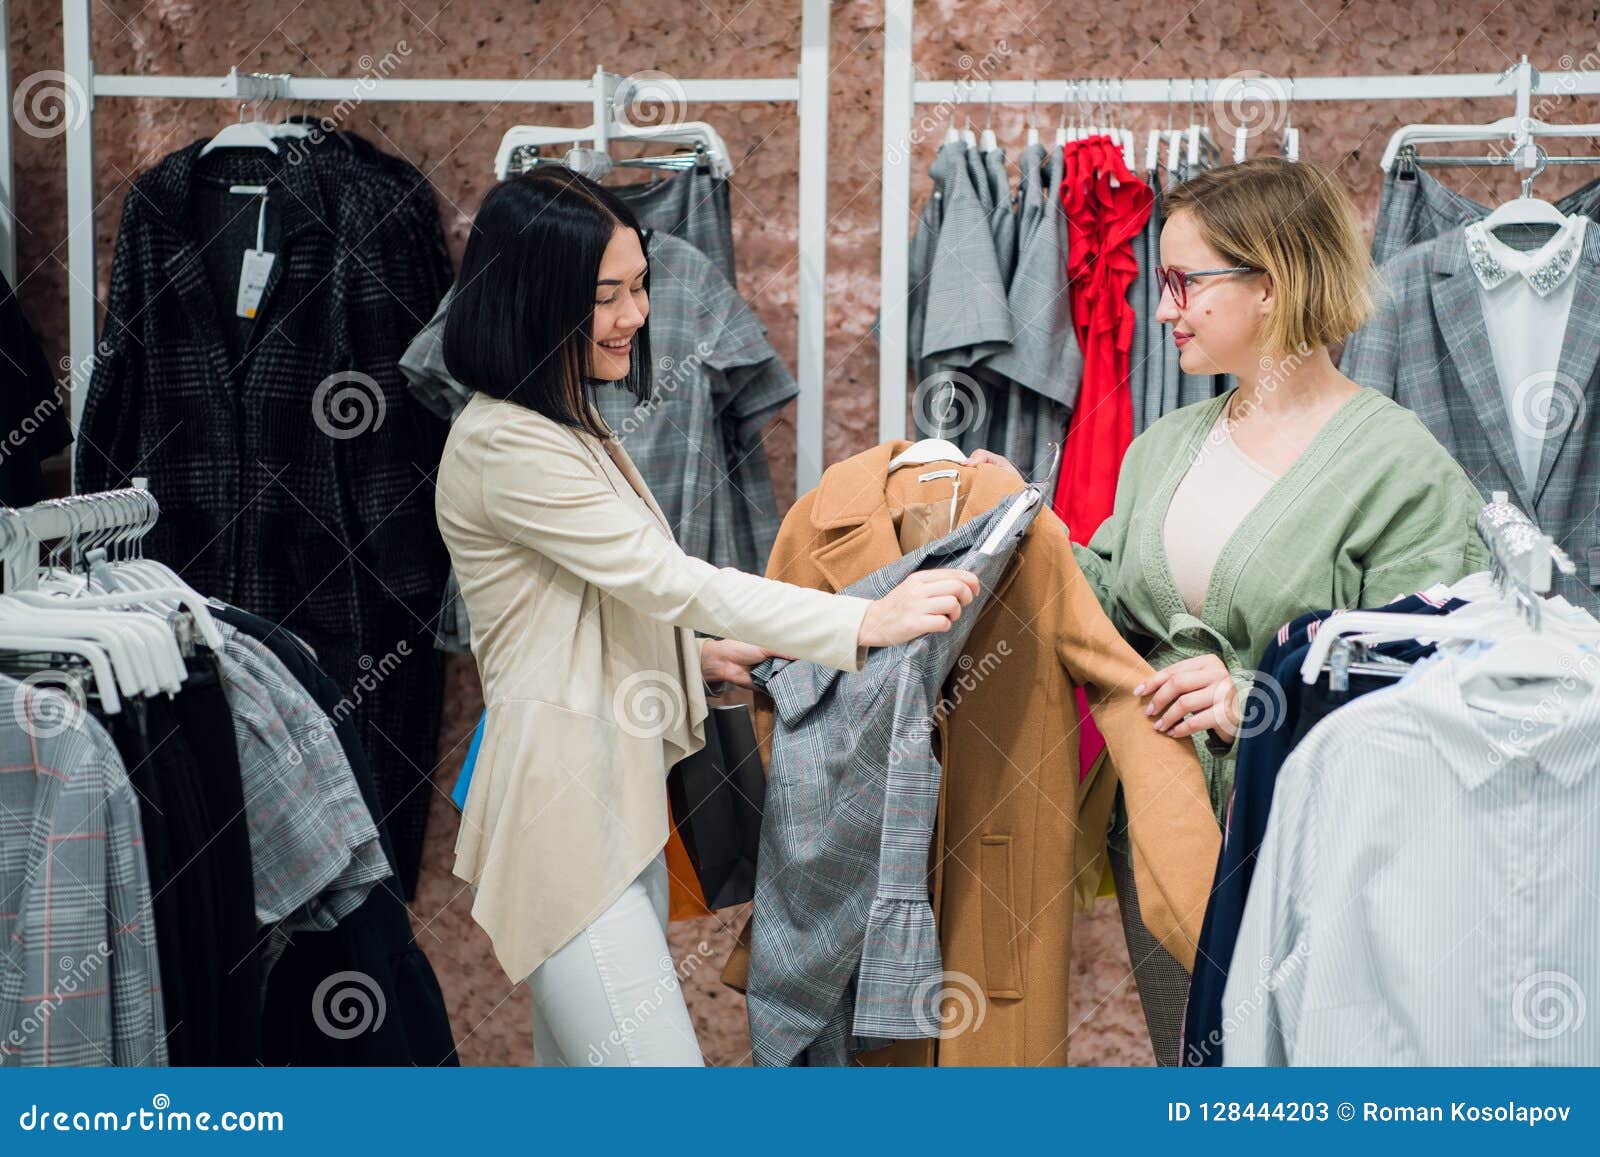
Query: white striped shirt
x,y
1428,891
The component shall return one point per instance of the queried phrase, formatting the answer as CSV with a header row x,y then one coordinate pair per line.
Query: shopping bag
x,y
717,796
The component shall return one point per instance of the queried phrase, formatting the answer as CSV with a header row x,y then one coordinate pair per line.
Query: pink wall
x,y
455,145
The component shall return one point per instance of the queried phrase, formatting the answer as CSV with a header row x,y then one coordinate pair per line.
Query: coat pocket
x,y
1002,958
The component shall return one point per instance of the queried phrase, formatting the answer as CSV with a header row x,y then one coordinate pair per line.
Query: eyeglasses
x,y
1177,281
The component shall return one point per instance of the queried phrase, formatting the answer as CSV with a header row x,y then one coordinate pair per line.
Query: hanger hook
x,y
988,115
1033,105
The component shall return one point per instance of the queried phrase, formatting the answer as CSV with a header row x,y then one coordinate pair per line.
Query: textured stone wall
x,y
455,145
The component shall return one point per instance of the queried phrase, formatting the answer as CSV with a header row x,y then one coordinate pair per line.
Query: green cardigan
x,y
1372,510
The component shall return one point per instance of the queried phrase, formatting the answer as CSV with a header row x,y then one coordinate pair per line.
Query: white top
x,y
1425,892
1222,486
1527,297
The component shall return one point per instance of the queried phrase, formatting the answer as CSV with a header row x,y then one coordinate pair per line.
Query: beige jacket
x,y
583,610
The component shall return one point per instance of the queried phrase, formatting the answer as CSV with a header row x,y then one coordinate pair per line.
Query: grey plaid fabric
x,y
692,205
967,317
952,156
697,441
1162,982
80,983
1165,386
1003,214
1416,207
1428,349
844,950
313,846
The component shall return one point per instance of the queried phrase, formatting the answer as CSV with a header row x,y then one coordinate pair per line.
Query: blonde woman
x,y
1296,490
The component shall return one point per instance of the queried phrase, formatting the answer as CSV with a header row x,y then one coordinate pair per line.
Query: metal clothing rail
x,y
808,91
902,92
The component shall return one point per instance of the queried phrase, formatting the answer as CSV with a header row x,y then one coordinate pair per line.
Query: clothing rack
x,y
902,92
78,520
808,91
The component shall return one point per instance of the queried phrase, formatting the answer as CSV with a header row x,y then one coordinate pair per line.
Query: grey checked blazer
x,y
1003,213
844,951
966,317
79,979
1417,207
1428,349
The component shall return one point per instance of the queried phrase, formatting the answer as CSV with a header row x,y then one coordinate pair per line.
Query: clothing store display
x,y
844,947
1332,530
80,981
293,470
1010,779
610,997
696,441
1042,365
1288,710
589,577
375,940
1465,870
1221,488
1430,349
32,408
1416,206
1106,207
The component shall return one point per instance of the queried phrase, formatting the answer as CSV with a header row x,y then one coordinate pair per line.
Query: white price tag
x,y
253,272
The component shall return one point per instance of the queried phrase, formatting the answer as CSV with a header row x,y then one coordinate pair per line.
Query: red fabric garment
x,y
1106,207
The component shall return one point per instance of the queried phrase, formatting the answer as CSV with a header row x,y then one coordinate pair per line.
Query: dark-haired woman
x,y
583,613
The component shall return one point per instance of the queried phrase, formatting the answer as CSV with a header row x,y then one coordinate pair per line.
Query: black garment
x,y
293,467
376,939
31,408
205,724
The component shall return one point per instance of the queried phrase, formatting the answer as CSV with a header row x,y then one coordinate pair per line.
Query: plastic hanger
x,y
989,142
242,135
1527,209
105,681
1033,114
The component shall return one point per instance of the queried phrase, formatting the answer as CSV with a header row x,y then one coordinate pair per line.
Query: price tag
x,y
253,273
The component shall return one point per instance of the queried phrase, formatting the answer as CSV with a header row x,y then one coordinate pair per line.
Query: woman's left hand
x,y
1201,689
728,660
981,456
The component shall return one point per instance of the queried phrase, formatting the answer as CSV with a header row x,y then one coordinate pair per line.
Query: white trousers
x,y
610,995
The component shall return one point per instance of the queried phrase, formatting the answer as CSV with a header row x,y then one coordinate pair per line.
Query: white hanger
x,y
1020,505
105,682
242,135
1033,115
1527,209
989,142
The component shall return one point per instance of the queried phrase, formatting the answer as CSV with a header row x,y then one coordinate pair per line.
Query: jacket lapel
x,y
1580,353
1459,313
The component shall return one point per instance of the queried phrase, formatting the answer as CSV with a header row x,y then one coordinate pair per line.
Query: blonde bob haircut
x,y
1290,219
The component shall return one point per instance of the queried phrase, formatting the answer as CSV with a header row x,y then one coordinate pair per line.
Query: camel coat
x,y
583,610
1004,848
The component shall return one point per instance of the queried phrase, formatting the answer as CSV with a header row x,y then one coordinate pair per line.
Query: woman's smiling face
x,y
620,306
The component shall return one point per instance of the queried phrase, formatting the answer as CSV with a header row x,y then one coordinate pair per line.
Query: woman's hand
x,y
1202,689
728,660
993,459
926,603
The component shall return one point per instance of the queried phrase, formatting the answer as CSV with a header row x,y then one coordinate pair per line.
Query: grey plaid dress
x,y
844,950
